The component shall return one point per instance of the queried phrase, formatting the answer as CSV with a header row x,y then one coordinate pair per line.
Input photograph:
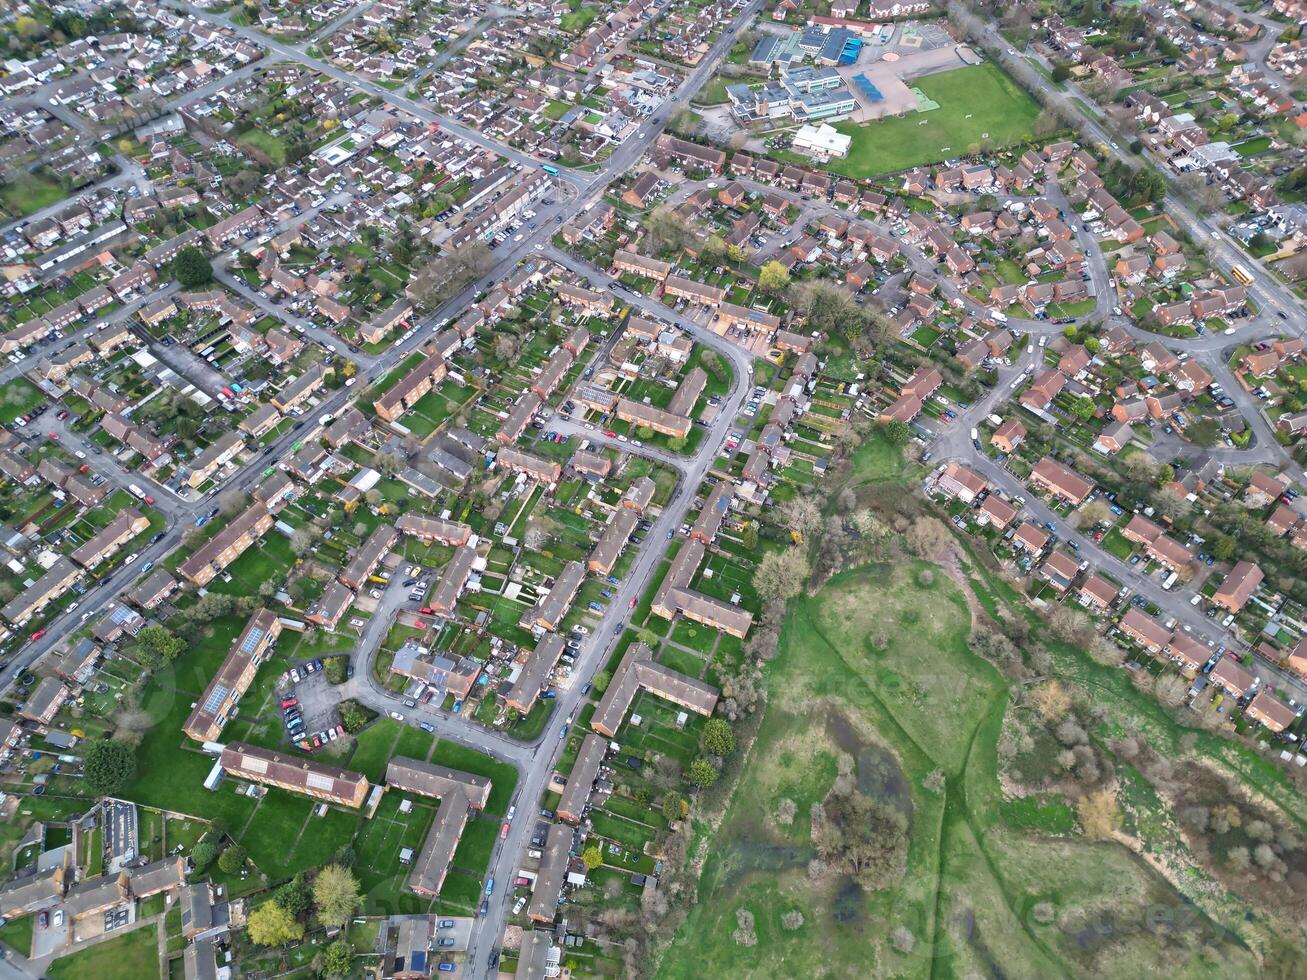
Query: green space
x,y
17,934
977,104
578,19
129,957
18,397
28,193
271,146
878,677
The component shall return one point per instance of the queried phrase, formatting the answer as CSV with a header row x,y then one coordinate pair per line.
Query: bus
x,y
1241,275
550,169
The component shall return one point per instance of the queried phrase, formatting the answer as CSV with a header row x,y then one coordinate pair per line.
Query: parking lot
x,y
313,707
50,939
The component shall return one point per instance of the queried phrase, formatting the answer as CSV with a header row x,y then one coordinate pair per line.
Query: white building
x,y
821,142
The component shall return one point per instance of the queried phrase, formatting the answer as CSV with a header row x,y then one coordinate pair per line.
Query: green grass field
x,y
973,101
877,666
129,957
29,192
17,397
272,146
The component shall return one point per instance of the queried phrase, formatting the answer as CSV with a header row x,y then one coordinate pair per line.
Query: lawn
x,y
713,93
273,147
30,192
129,957
578,19
17,397
17,934
974,101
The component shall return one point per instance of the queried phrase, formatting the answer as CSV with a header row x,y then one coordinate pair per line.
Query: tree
x,y
108,767
446,276
927,536
1204,432
301,541
336,894
241,184
801,514
713,251
897,433
674,807
1061,71
160,643
296,897
1099,814
666,230
781,574
231,502
601,681
773,277
749,536
272,925
338,959
353,716
702,772
855,834
718,738
233,859
592,857
192,267
1051,700
203,854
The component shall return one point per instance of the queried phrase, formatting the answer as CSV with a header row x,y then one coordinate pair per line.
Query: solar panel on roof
x,y
214,701
252,639
319,781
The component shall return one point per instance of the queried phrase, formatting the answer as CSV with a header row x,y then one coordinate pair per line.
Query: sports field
x,y
973,102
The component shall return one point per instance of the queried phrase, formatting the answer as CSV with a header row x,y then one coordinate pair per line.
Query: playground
x,y
881,86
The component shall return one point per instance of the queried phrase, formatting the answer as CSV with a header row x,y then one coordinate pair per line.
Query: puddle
x,y
877,771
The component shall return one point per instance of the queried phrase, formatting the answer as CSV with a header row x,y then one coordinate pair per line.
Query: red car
x,y
53,435
43,918
610,433
38,634
631,604
150,501
426,611
503,832
289,702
